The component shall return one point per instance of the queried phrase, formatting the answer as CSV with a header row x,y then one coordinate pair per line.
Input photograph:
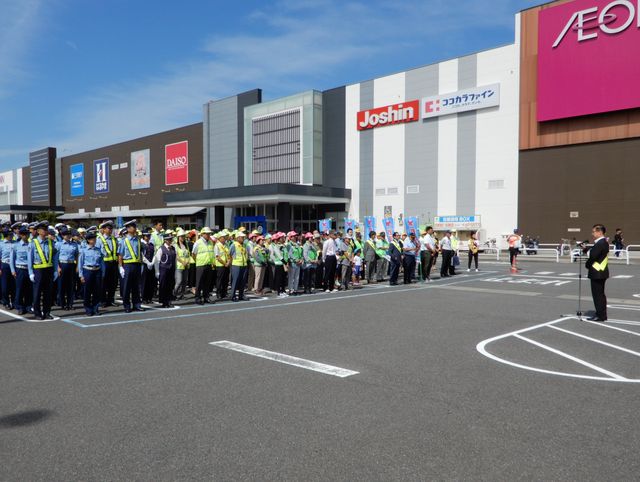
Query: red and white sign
x,y
588,53
176,163
389,115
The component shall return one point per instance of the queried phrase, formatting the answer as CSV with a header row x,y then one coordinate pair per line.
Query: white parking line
x,y
624,307
543,273
608,325
286,359
611,377
595,340
14,316
556,277
28,320
570,357
622,276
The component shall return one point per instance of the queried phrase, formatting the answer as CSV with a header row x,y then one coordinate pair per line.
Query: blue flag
x,y
369,225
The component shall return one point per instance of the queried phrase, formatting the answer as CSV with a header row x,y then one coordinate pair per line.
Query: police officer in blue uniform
x,y
20,271
43,271
91,268
15,227
108,244
67,260
32,230
7,282
130,265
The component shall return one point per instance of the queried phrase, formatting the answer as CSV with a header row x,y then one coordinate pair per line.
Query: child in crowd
x,y
357,268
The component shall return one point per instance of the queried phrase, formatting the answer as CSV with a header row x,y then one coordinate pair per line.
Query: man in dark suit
x,y
598,266
395,253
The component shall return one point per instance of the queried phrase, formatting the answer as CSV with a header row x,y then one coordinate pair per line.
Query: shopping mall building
x,y
542,134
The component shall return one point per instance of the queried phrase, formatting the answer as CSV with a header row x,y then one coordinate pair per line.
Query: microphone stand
x,y
579,312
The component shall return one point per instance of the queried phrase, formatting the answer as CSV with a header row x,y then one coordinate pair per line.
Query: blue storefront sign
x,y
101,176
457,222
77,179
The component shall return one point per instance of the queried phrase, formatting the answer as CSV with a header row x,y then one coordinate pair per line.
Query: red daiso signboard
x,y
588,58
389,115
176,163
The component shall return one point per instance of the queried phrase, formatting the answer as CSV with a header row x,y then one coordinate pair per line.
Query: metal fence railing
x,y
627,251
483,251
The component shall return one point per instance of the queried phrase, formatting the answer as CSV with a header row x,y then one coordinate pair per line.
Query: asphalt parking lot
x,y
484,376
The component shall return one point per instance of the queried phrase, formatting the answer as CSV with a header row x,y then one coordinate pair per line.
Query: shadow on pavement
x,y
21,419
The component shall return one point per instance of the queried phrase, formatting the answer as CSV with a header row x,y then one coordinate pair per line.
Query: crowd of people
x,y
44,266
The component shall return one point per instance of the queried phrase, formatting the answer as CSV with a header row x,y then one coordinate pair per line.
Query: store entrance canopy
x,y
25,209
261,194
137,213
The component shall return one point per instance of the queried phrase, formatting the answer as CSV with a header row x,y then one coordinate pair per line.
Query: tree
x,y
49,216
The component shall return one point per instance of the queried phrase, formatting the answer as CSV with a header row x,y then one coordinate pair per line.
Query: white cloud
x,y
299,43
20,19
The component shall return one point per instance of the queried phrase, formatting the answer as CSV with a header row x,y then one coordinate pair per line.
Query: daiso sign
x,y
176,163
588,53
389,115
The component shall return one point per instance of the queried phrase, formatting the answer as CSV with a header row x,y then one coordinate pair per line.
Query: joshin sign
x,y
176,163
588,53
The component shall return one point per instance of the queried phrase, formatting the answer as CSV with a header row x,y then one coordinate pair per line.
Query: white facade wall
x,y
388,149
497,144
352,146
447,144
490,136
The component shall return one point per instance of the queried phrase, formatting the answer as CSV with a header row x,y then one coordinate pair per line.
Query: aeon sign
x,y
588,53
389,115
590,21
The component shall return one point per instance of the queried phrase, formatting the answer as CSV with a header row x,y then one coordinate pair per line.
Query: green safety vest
x,y
204,256
259,256
183,253
111,251
135,258
384,247
224,255
296,254
278,256
358,245
312,253
239,255
157,241
45,263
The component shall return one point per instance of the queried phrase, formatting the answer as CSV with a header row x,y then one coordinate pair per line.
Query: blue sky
x,y
80,74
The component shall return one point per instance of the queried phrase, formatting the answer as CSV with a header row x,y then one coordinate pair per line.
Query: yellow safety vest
x,y
183,253
204,256
602,265
224,256
45,263
240,255
111,252
135,258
